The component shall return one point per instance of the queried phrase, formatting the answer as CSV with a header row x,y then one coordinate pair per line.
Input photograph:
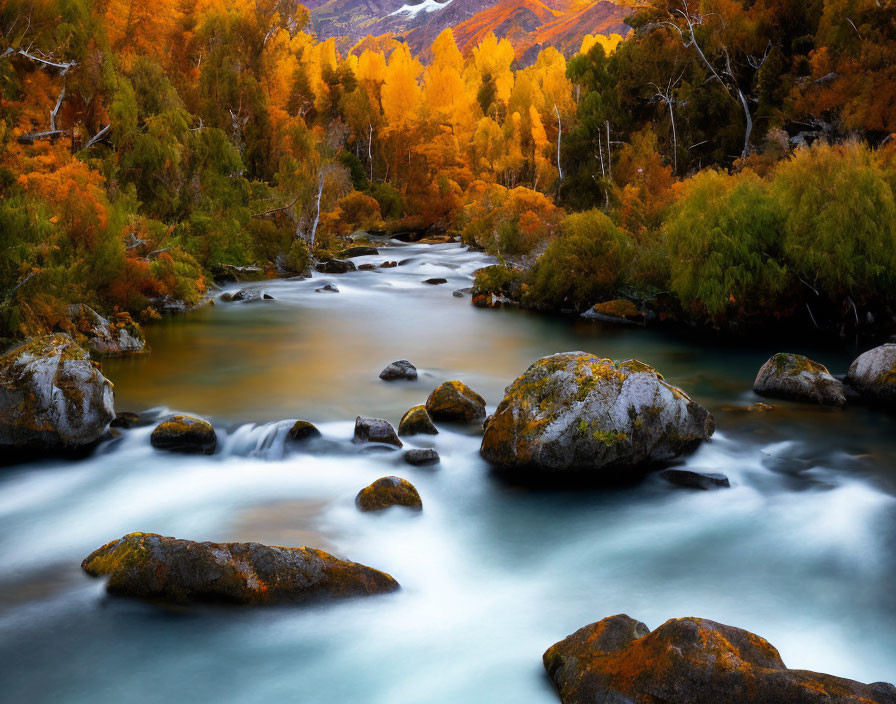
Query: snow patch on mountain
x,y
425,6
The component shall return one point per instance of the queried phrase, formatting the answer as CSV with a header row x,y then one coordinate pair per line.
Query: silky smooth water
x,y
799,550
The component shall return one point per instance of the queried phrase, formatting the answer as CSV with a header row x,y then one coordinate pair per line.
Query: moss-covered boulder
x,y
335,266
873,374
387,492
186,434
616,311
105,338
302,431
455,401
798,378
52,397
400,369
417,422
154,567
574,412
689,661
375,430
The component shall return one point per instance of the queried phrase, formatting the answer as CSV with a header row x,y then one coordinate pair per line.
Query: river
x,y
798,550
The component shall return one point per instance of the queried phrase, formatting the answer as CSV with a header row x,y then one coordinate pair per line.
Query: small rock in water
x,y
695,480
415,421
375,430
403,262
798,378
327,288
873,374
386,492
402,369
335,266
461,292
616,311
455,401
267,297
185,434
150,566
435,281
419,458
367,267
389,265
247,295
125,419
359,251
301,431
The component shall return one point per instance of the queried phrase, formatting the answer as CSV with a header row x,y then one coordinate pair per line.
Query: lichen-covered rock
x,y
455,401
154,567
186,434
386,492
335,266
401,369
695,480
421,457
302,431
798,378
873,374
574,412
358,251
618,311
375,430
689,661
126,420
417,422
52,396
105,338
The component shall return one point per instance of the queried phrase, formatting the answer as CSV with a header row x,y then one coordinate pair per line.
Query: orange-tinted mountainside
x,y
530,25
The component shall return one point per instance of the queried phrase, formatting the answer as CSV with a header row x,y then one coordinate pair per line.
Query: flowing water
x,y
799,550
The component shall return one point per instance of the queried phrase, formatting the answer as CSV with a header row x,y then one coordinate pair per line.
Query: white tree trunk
x,y
559,134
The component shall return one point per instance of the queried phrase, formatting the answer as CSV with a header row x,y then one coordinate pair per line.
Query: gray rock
x,y
873,374
375,430
335,266
402,369
794,377
52,396
421,457
327,288
574,412
248,295
106,338
695,480
461,292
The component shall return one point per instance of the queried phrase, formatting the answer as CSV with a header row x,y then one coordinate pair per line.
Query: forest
x,y
729,165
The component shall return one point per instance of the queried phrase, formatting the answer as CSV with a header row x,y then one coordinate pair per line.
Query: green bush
x,y
723,236
585,264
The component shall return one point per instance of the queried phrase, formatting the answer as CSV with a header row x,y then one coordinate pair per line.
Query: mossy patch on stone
x,y
455,401
387,492
417,422
185,434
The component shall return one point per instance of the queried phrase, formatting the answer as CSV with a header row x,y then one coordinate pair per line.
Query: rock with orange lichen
x,y
417,421
689,661
387,492
153,567
455,401
617,311
185,434
576,413
52,397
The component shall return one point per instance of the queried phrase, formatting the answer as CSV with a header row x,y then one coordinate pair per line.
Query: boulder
x,y
335,266
359,251
402,369
417,421
576,413
375,430
52,397
618,311
435,281
794,377
367,267
388,265
301,431
873,374
126,420
419,458
154,567
689,661
247,295
695,480
105,338
387,492
455,401
186,434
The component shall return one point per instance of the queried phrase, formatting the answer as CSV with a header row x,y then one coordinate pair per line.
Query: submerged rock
x,y
798,378
52,397
695,480
417,421
422,457
461,292
126,420
386,492
375,430
455,401
389,265
689,661
105,338
618,311
359,251
873,374
327,288
335,266
574,412
186,434
435,281
402,369
154,567
301,431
